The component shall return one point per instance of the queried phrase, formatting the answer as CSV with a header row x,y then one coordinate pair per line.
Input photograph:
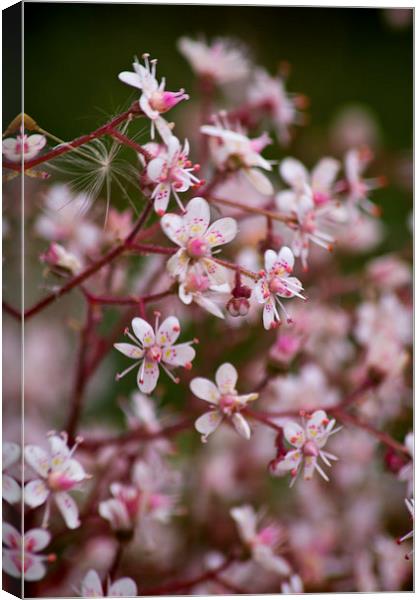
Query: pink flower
x,y
154,348
308,441
221,61
173,173
310,201
233,151
20,556
92,587
154,100
225,400
11,488
282,107
59,473
26,146
285,348
275,283
60,260
262,543
356,188
197,238
123,508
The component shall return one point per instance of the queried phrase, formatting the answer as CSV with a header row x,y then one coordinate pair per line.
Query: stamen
x,y
119,376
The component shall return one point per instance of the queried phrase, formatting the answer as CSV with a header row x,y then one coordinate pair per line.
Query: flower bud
x,y
238,307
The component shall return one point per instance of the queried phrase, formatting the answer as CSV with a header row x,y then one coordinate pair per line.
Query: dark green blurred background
x,y
74,52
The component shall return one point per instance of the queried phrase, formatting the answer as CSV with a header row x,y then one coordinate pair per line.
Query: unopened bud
x,y
238,307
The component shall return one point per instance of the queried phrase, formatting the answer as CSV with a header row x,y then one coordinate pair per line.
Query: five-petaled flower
x,y
308,441
154,100
225,400
11,489
92,587
154,348
23,146
197,239
233,151
173,172
274,283
60,472
262,543
20,558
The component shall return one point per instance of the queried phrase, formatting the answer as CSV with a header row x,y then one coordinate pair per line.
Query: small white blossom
x,y
173,173
60,260
152,349
11,489
23,145
274,283
91,587
197,287
310,200
221,61
263,542
154,100
233,151
197,238
225,400
308,441
281,106
60,472
20,558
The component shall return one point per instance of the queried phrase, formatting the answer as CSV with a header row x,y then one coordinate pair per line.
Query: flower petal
x,y
215,272
34,567
150,377
11,563
286,258
293,172
168,332
226,378
269,315
208,423
91,585
35,493
11,489
178,264
11,536
74,470
241,425
68,508
143,331
309,467
130,79
38,459
161,195
205,390
289,462
294,434
155,168
221,232
263,555
270,259
259,181
197,217
246,521
35,540
261,291
129,350
123,587
324,174
10,454
175,229
179,355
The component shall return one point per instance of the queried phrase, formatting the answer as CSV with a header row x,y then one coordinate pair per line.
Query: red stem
x,y
134,110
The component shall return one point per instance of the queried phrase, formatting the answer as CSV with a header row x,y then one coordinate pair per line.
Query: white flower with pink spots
x,y
20,558
262,542
308,441
59,473
154,100
172,172
154,349
226,402
275,283
197,240
23,146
